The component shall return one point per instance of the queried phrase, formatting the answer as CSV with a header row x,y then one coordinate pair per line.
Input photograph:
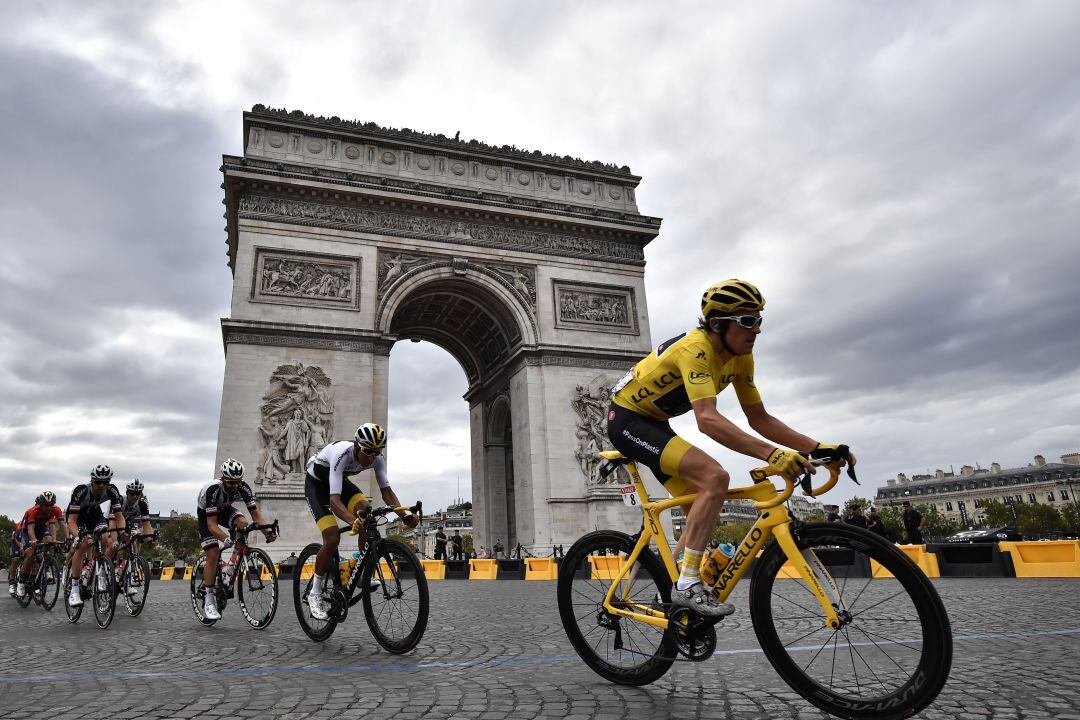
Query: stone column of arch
x,y
344,238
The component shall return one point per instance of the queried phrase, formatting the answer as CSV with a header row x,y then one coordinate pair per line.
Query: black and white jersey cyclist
x,y
217,517
84,515
331,493
136,511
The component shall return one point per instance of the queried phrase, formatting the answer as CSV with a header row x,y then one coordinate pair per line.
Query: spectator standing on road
x,y
914,522
855,516
875,524
497,548
483,554
440,543
832,513
458,544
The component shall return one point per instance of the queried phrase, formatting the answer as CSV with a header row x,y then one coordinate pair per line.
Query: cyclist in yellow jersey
x,y
687,373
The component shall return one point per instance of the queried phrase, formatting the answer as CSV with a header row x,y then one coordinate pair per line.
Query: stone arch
x,y
501,501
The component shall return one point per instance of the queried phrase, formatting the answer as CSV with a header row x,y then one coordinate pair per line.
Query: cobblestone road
x,y
493,650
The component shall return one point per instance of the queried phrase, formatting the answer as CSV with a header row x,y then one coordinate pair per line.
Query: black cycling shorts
x,y
91,518
226,516
317,492
650,442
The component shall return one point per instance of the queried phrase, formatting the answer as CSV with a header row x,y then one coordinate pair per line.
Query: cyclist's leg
x,y
211,547
710,480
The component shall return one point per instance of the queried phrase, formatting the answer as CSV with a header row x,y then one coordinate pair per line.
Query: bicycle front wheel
x,y
303,575
257,589
136,583
73,613
396,610
49,583
104,589
618,649
198,597
892,653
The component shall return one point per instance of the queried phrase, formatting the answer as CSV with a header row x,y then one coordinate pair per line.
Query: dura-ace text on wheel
x,y
397,609
891,655
620,650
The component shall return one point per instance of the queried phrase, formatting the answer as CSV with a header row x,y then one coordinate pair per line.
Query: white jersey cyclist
x,y
328,473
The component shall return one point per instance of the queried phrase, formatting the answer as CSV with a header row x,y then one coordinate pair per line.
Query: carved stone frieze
x,y
425,227
607,308
297,421
295,278
590,403
300,341
393,264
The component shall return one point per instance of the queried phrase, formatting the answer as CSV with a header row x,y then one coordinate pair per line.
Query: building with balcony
x,y
961,496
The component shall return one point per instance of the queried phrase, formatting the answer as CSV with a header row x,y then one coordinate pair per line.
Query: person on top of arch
x,y
686,373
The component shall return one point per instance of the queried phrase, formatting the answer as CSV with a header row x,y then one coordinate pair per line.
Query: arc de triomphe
x,y
528,268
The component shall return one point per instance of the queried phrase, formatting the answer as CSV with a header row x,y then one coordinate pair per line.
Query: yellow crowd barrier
x,y
166,573
187,572
265,574
434,569
307,571
483,569
605,567
541,569
1053,559
927,562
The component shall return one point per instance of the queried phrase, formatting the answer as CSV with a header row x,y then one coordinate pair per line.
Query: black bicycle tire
x,y
46,602
196,600
73,613
652,669
300,589
932,671
133,608
370,563
265,558
104,619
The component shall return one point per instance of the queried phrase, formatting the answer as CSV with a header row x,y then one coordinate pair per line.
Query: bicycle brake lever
x,y
805,483
851,474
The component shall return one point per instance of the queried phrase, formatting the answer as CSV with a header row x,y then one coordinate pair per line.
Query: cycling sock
x,y
316,585
691,569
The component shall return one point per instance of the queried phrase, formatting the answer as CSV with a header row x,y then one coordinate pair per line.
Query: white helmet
x,y
232,469
135,486
370,437
101,472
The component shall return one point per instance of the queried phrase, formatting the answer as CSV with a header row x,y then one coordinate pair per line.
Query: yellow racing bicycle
x,y
844,616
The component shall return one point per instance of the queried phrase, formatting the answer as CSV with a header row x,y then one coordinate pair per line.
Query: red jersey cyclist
x,y
686,373
331,493
18,542
40,524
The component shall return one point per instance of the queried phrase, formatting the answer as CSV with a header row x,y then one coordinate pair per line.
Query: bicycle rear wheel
x,y
198,592
397,612
892,654
49,583
136,583
257,589
621,650
104,589
73,613
303,575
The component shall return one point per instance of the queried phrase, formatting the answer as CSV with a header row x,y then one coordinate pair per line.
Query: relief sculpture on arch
x,y
297,416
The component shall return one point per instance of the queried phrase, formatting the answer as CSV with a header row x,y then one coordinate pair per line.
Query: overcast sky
x,y
902,181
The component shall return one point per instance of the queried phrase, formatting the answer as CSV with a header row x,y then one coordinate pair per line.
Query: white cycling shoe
x,y
75,597
318,607
210,611
20,590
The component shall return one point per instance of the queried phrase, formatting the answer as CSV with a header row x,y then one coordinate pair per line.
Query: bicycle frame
x,y
773,522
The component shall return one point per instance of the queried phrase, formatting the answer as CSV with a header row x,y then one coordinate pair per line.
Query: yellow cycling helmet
x,y
731,296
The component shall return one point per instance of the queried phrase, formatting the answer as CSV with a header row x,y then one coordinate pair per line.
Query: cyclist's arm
x,y
73,524
725,432
147,530
773,429
216,530
390,498
31,534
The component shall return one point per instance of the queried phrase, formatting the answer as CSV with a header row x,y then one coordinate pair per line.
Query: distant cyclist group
x,y
610,629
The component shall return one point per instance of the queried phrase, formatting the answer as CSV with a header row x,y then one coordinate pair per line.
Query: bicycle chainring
x,y
695,636
339,604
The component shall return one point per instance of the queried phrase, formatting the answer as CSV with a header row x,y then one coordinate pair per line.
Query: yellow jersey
x,y
681,370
